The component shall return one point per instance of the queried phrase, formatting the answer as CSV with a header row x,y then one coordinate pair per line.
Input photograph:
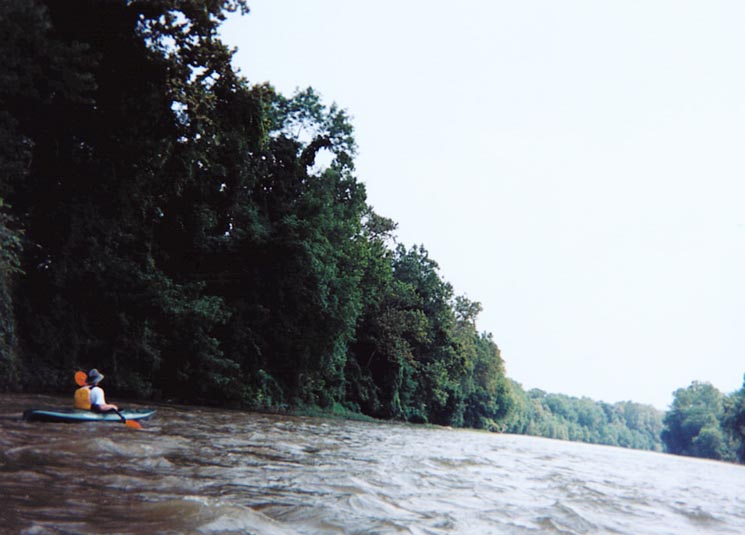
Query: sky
x,y
578,167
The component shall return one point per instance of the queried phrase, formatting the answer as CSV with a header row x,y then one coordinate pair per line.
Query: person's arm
x,y
99,399
109,407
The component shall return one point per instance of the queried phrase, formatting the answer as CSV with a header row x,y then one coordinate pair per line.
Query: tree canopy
x,y
206,239
626,424
733,421
694,423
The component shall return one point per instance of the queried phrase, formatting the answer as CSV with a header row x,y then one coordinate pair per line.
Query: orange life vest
x,y
83,398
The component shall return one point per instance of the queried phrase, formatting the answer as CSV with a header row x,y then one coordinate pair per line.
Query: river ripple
x,y
202,471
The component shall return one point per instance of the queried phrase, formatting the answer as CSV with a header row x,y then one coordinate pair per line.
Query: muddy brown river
x,y
203,471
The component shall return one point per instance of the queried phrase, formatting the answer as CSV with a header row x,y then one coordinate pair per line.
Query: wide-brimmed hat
x,y
94,377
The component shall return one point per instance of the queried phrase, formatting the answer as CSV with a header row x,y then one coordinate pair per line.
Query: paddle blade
x,y
81,378
133,425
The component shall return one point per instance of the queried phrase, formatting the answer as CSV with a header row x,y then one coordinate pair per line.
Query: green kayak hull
x,y
75,415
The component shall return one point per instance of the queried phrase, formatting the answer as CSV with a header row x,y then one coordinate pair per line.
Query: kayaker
x,y
91,396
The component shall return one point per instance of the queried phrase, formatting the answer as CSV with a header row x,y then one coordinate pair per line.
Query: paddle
x,y
81,380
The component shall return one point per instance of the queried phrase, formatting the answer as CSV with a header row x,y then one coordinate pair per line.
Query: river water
x,y
203,471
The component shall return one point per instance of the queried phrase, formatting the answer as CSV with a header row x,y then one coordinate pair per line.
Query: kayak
x,y
77,415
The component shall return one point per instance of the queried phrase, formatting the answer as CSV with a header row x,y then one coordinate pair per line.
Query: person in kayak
x,y
91,396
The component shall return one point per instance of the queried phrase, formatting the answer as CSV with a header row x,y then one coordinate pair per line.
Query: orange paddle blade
x,y
133,425
81,378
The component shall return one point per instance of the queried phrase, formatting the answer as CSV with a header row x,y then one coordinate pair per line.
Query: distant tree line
x,y
701,422
625,424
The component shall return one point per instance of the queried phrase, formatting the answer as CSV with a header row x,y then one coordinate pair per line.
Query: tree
x,y
733,421
692,426
435,361
488,395
36,69
383,370
293,263
109,126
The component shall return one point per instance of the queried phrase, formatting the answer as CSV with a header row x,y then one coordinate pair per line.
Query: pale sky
x,y
578,167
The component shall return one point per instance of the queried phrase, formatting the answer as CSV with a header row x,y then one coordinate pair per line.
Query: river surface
x,y
203,471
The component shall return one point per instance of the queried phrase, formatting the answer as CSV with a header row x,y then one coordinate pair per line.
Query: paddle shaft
x,y
128,423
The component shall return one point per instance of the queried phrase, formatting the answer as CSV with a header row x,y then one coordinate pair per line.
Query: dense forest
x,y
204,239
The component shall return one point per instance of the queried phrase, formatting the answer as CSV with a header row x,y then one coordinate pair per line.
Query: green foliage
x,y
693,424
107,149
10,267
626,424
417,355
33,70
733,421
